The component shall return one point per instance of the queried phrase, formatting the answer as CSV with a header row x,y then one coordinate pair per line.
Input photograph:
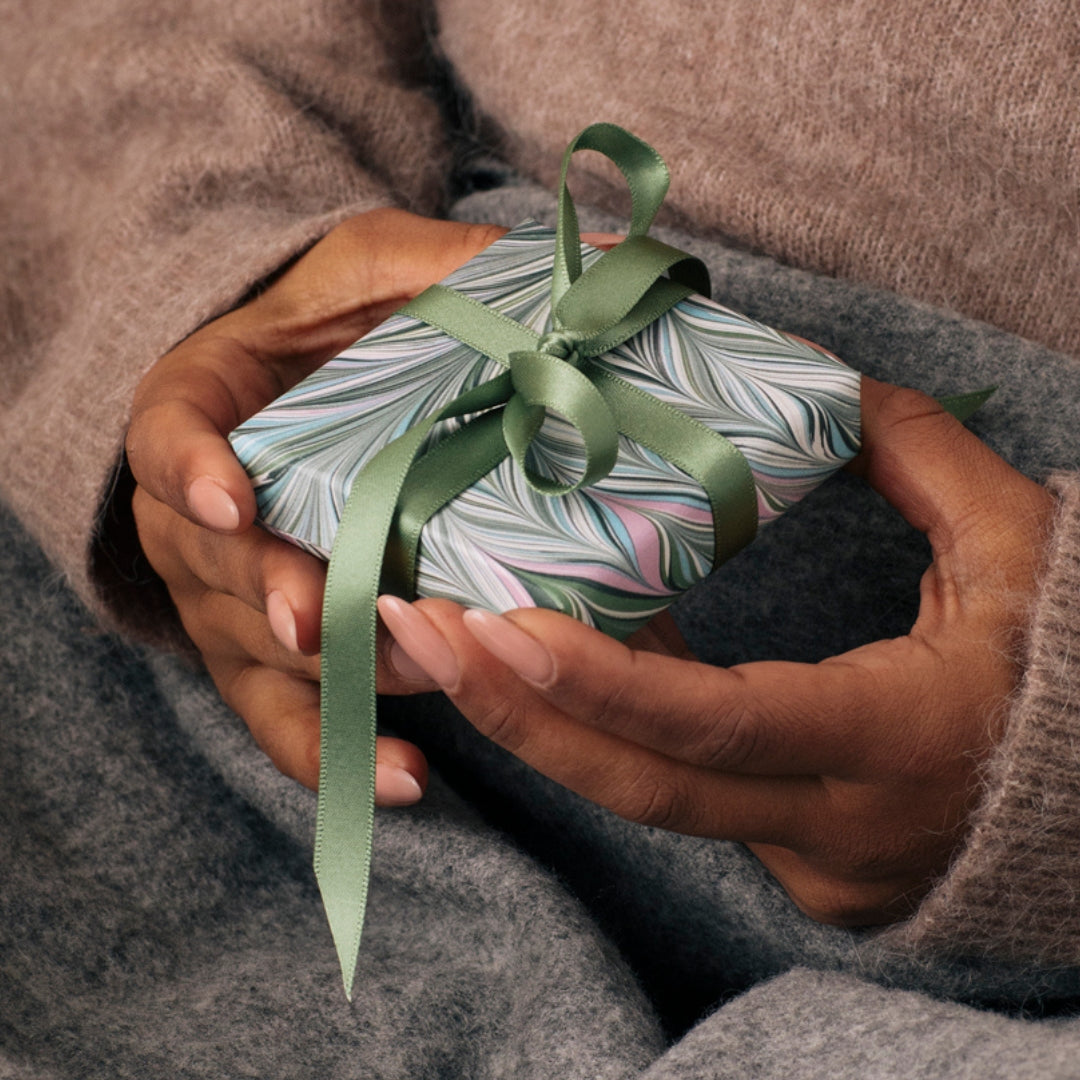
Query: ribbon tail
x,y
962,406
346,808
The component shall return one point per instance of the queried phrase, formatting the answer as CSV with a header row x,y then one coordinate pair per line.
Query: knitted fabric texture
x,y
923,147
185,154
1012,891
150,189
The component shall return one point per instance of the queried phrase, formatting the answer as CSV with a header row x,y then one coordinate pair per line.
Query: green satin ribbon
x,y
395,494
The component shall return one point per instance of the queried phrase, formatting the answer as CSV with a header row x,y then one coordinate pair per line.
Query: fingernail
x,y
406,667
510,644
282,620
419,641
604,240
212,504
396,787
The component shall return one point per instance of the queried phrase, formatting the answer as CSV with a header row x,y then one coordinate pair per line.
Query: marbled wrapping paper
x,y
612,555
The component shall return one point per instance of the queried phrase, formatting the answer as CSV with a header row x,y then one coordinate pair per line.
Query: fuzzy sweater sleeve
x,y
1011,892
160,161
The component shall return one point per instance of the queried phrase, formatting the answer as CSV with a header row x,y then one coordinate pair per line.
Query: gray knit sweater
x,y
162,159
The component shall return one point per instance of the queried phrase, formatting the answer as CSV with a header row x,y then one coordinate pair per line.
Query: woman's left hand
x,y
852,779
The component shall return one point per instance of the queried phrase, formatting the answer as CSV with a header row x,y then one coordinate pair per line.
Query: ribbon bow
x,y
396,493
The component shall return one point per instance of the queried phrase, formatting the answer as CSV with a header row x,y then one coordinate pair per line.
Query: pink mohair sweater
x,y
189,150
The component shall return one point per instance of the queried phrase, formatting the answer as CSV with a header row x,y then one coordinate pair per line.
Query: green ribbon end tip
x,y
347,953
344,909
964,406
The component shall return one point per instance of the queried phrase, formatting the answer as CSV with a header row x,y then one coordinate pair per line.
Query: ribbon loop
x,y
546,383
619,284
646,175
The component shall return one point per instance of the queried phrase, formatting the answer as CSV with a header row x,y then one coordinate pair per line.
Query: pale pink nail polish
x,y
212,504
395,786
419,639
510,644
282,620
405,666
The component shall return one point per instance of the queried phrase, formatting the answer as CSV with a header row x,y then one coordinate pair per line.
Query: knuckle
x,y
502,721
365,233
201,617
902,405
474,238
612,701
255,567
728,734
869,864
728,739
208,556
835,902
155,528
146,448
655,800
233,681
905,413
361,227
292,746
845,897
609,703
135,442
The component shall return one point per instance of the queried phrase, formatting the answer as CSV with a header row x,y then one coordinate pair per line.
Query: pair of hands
x,y
851,779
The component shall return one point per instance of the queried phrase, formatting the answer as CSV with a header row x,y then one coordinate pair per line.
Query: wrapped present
x,y
612,554
551,425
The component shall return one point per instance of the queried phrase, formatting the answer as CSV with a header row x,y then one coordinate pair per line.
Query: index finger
x,y
182,410
634,781
766,718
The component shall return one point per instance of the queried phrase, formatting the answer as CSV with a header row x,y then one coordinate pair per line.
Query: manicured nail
x,y
603,240
395,787
407,668
212,504
510,644
282,620
418,639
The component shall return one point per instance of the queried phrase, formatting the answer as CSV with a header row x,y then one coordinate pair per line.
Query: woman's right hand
x,y
252,603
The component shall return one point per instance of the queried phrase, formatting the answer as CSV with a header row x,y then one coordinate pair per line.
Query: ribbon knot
x,y
562,343
550,379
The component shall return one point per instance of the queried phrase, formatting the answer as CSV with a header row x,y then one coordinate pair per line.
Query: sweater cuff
x,y
1011,891
83,518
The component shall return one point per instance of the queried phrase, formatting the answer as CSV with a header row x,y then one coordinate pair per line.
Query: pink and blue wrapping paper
x,y
613,554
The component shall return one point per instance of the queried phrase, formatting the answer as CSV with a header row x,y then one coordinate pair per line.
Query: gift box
x,y
612,554
551,425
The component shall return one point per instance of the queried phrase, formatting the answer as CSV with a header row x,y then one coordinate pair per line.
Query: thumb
x,y
351,280
942,478
355,277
